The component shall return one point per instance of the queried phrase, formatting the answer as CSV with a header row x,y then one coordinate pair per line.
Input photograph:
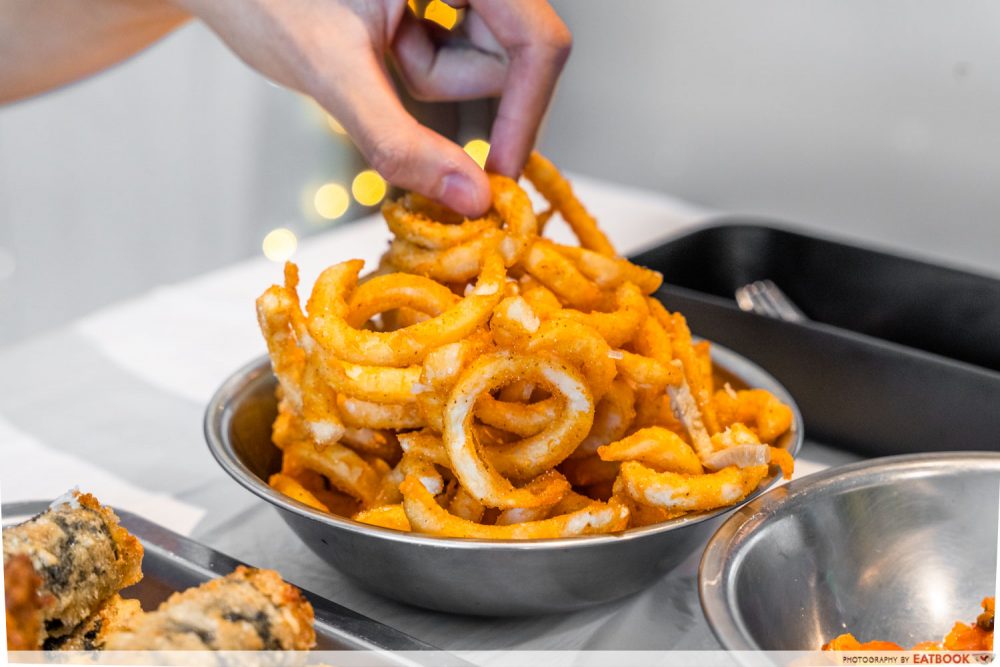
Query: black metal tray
x,y
173,562
898,355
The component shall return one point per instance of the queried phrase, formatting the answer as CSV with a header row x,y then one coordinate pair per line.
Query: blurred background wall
x,y
878,121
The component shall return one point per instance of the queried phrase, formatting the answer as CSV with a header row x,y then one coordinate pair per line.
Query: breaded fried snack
x,y
81,555
250,610
118,614
22,604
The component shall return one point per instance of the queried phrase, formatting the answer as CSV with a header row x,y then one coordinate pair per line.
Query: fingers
x,y
459,71
404,152
538,44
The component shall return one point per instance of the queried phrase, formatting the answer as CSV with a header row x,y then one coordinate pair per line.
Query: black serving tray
x,y
172,562
898,355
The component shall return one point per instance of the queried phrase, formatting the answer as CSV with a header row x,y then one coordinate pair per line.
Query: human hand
x,y
334,50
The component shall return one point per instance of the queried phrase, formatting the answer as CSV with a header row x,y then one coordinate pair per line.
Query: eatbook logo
x,y
917,658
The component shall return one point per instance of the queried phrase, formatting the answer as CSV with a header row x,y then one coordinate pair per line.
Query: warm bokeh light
x,y
279,244
368,188
478,149
441,13
331,201
335,125
412,4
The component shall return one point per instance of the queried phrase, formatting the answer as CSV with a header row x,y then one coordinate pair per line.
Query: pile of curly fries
x,y
486,382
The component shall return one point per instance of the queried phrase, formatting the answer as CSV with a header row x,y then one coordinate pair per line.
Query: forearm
x,y
48,43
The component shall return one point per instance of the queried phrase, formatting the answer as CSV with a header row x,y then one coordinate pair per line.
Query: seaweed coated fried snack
x,y
249,609
81,557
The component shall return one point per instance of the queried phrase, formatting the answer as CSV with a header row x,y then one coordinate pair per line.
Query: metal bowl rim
x,y
722,555
214,429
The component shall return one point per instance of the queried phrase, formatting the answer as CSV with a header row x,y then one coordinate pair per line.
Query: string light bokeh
x,y
368,188
331,201
280,244
478,150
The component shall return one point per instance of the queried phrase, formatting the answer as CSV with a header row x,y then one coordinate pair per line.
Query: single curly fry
x,y
426,516
550,184
327,324
641,514
561,276
481,475
646,371
420,230
291,350
275,310
457,264
523,419
291,488
657,448
581,346
686,410
651,340
397,290
609,273
358,413
757,408
346,470
674,491
684,351
613,417
381,384
514,208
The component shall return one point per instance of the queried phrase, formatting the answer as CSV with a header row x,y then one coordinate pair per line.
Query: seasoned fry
x,y
557,190
656,447
429,517
673,491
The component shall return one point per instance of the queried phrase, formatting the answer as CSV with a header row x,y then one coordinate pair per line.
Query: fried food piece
x,y
248,610
757,408
427,516
976,636
23,606
81,554
116,615
557,190
673,491
656,447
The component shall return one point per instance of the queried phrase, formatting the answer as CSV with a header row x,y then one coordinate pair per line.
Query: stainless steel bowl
x,y
897,549
492,578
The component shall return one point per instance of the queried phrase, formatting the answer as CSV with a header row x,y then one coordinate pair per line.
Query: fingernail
x,y
461,194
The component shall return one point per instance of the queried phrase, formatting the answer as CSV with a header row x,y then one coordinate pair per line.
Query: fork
x,y
763,297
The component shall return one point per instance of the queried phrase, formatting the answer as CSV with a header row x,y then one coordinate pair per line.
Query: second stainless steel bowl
x,y
893,549
479,577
